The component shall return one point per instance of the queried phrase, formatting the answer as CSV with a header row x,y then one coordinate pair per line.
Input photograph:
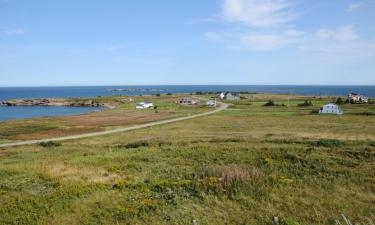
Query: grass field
x,y
123,114
244,165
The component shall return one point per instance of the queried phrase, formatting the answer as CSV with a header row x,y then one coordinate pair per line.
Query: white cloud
x,y
271,41
353,7
339,51
345,33
265,21
263,42
268,27
257,13
14,32
338,44
257,41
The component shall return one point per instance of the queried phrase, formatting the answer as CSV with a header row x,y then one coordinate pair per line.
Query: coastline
x,y
54,102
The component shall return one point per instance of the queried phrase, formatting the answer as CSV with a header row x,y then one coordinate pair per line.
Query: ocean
x,y
7,93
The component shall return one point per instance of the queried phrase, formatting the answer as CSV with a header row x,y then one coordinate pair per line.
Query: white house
x,y
331,109
357,98
211,103
144,105
230,96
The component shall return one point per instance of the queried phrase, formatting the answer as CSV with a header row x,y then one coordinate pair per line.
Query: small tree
x,y
270,103
305,104
156,109
339,101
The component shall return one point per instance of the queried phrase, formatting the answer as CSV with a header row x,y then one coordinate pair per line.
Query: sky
x,y
123,42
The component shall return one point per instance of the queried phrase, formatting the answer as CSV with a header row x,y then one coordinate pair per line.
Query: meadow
x,y
122,113
244,165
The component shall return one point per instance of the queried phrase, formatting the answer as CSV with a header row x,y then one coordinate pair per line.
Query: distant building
x,y
331,109
188,101
144,105
211,103
357,98
230,96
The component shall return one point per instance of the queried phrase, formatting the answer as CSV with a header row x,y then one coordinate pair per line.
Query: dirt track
x,y
222,106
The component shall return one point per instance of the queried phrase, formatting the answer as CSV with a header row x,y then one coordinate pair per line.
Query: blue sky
x,y
84,42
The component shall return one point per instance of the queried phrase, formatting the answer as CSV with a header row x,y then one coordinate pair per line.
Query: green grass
x,y
123,114
242,166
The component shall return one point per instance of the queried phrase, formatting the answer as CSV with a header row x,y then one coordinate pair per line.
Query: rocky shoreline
x,y
53,102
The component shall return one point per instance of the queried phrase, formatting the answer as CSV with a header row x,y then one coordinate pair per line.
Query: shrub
x,y
314,111
50,144
329,143
339,101
137,144
270,103
365,114
158,94
305,104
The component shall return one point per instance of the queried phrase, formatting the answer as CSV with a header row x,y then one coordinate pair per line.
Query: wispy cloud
x,y
262,25
268,25
353,7
257,13
14,32
267,42
345,33
338,51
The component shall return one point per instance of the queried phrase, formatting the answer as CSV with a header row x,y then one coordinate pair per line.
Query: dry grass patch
x,y
65,172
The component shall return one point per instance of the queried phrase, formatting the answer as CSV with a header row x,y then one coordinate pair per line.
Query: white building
x,y
144,105
211,103
357,98
230,96
331,109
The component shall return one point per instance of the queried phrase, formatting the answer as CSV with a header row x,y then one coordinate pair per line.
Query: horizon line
x,y
112,85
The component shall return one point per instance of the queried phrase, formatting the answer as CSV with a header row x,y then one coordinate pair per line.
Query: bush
x,y
50,144
339,101
270,103
365,114
305,104
314,111
329,143
137,144
158,94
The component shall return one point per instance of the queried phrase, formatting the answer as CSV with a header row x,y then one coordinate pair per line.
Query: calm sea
x,y
7,93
